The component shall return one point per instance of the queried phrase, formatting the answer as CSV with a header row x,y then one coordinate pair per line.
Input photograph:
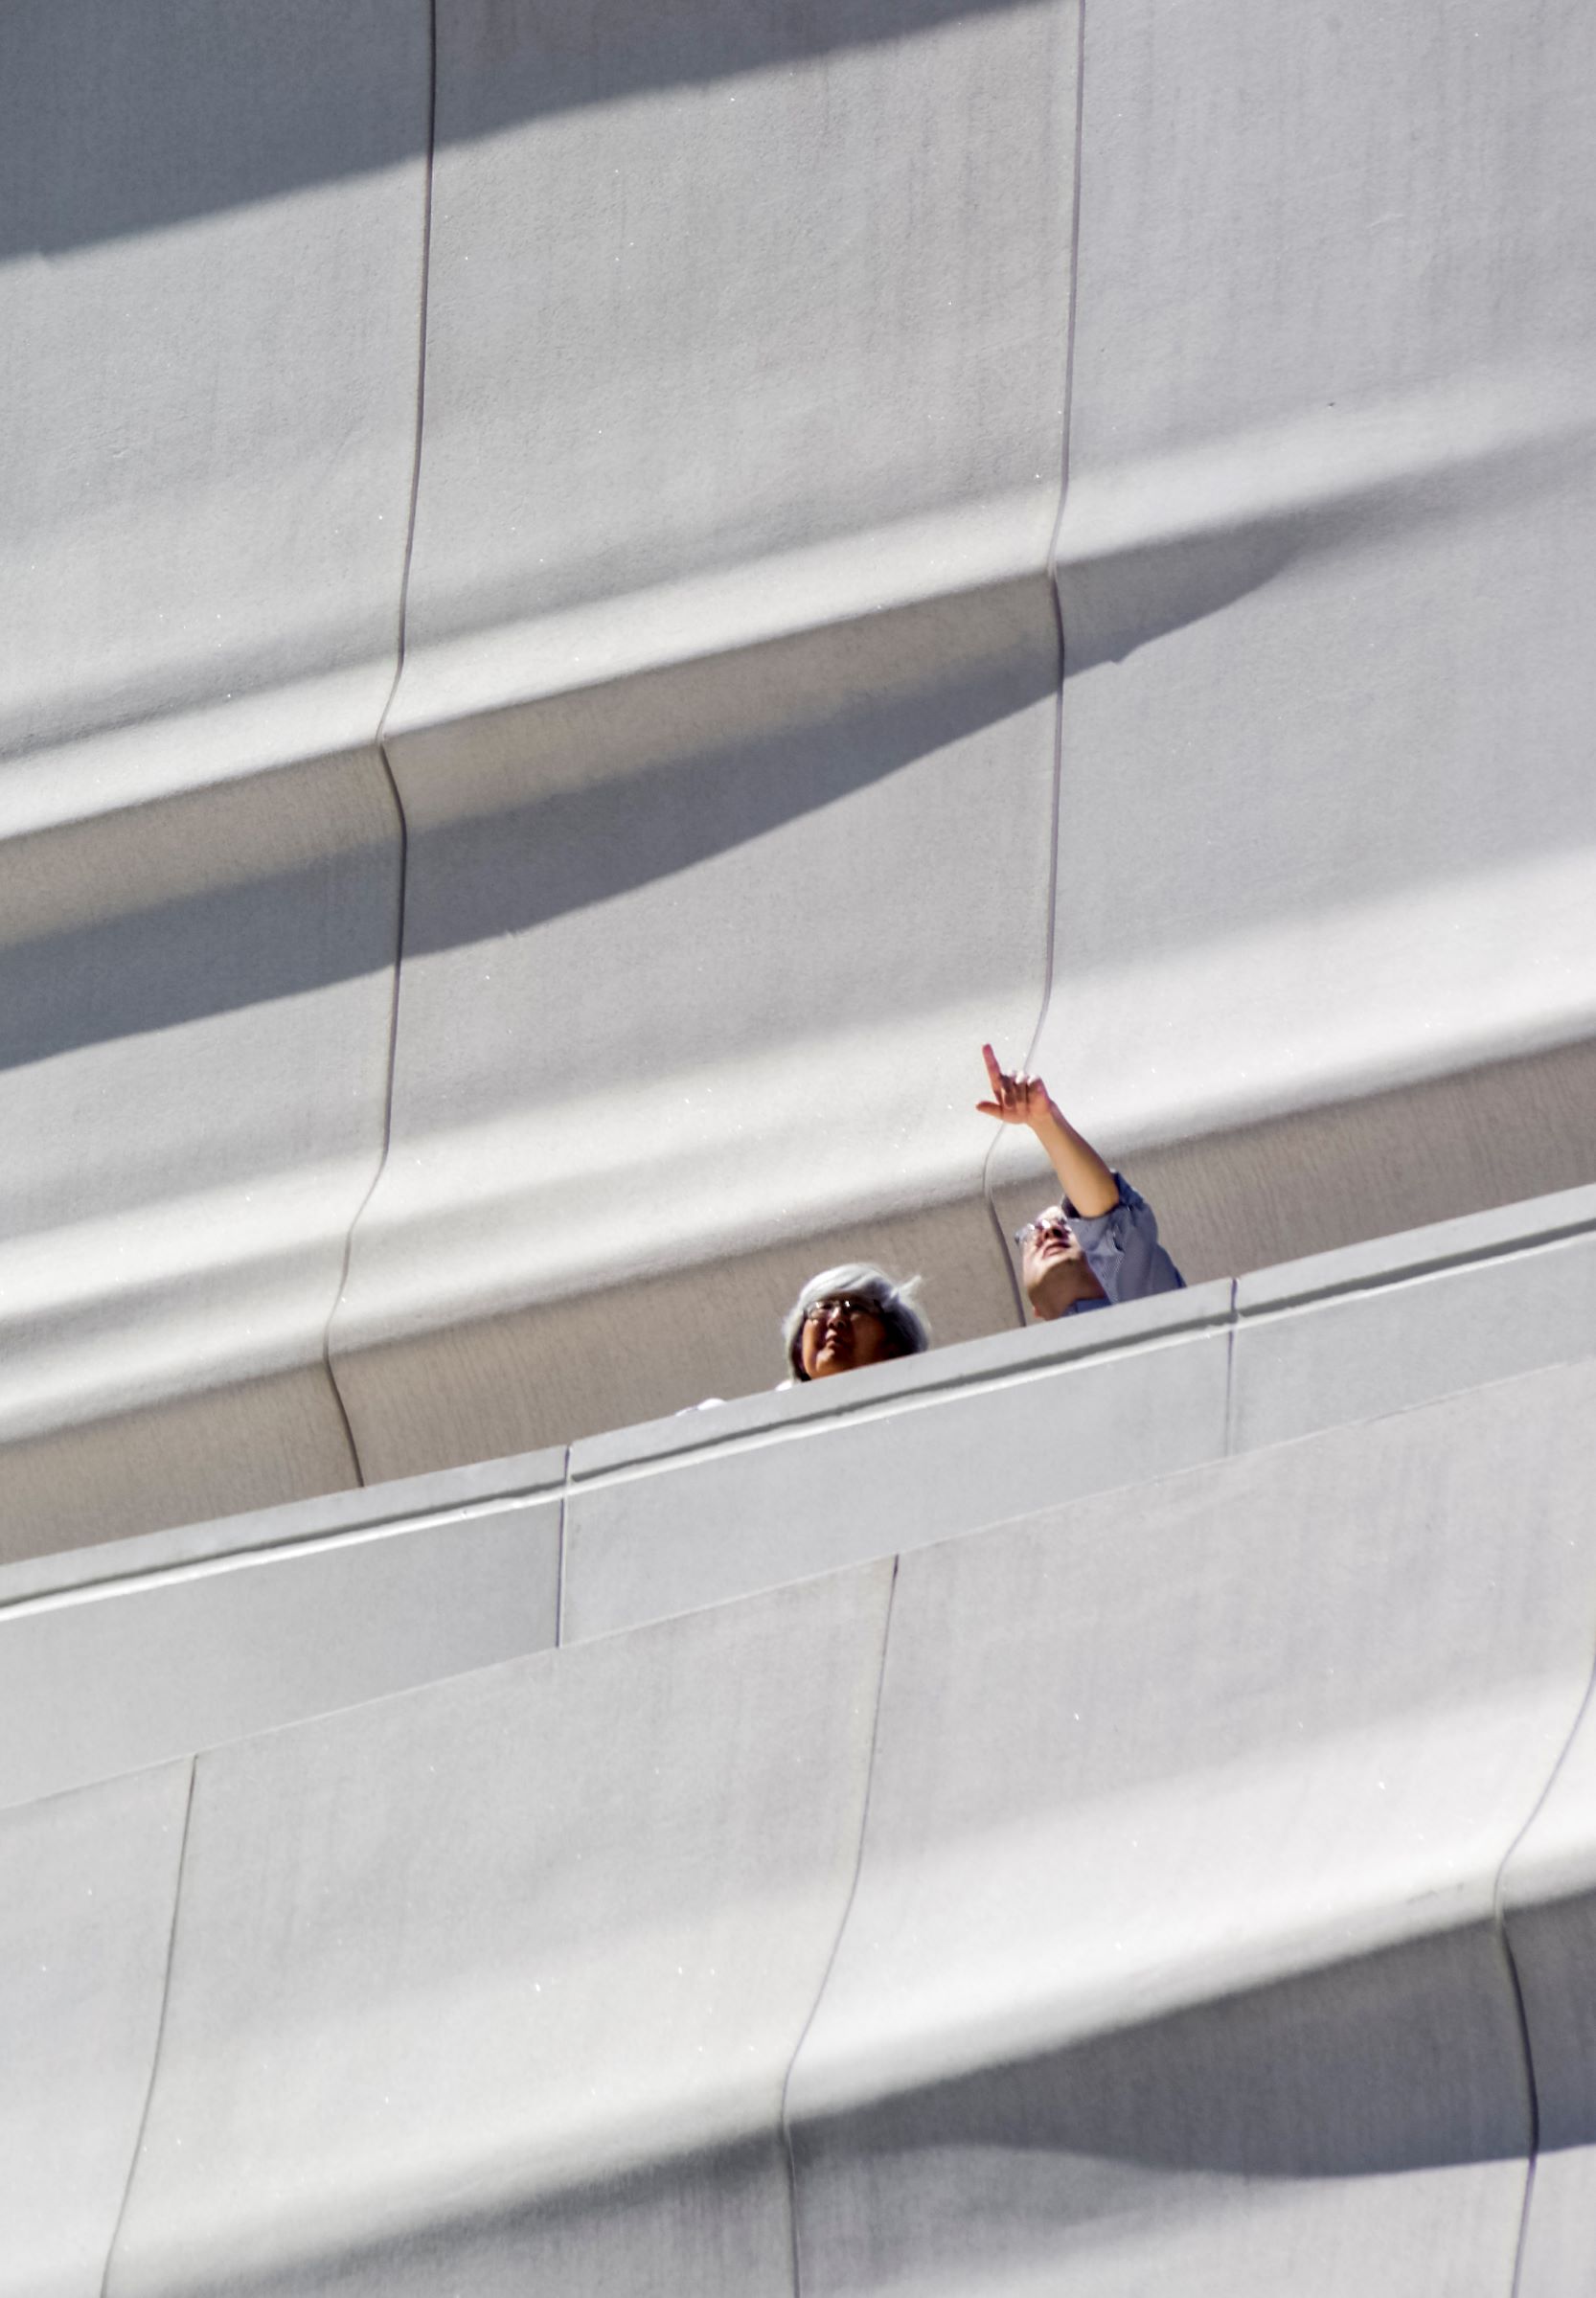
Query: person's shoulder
x,y
1128,1199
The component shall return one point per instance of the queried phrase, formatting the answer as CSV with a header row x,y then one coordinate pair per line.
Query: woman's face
x,y
841,1334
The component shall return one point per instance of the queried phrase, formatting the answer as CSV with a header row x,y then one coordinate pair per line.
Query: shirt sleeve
x,y
1122,1247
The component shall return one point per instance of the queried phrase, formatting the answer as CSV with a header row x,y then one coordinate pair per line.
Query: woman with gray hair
x,y
851,1316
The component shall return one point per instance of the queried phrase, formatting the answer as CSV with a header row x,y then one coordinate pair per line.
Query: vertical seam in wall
x,y
1058,519
836,1943
383,744
160,2038
1049,929
1498,1918
1230,1372
1001,1235
560,1579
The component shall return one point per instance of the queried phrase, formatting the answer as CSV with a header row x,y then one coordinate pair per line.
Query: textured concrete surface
x,y
210,310
1331,469
102,1679
1549,1895
1112,1897
1187,1884
138,1650
736,792
735,595
1173,1960
497,1984
1364,1352
590,604
88,1891
807,1496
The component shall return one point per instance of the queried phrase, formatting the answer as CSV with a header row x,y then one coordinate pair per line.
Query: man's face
x,y
1052,1266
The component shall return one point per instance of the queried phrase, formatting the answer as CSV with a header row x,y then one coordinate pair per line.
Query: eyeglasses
x,y
848,1304
1051,1223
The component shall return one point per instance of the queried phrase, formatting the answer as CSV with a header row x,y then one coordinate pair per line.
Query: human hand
x,y
1018,1099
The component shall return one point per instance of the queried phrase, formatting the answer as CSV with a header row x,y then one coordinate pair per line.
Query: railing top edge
x,y
1496,1233
908,1380
293,1524
1500,1233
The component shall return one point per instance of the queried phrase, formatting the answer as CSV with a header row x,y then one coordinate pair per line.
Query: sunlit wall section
x,y
1327,800
211,234
726,730
741,345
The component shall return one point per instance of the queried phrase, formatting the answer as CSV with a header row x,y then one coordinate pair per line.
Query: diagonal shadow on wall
x,y
149,113
598,798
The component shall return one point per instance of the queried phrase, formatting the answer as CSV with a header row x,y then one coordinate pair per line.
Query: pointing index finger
x,y
993,1072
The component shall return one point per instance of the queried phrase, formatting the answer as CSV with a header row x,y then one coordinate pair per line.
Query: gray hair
x,y
861,1281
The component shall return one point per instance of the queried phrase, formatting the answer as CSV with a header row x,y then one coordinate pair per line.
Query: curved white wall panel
x,y
1186,1885
212,258
739,797
1144,1894
194,1102
725,735
88,1895
178,1642
1329,814
1174,1959
1550,1891
516,2010
210,289
136,1650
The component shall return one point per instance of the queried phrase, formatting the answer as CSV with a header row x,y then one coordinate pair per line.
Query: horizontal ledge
x,y
1165,1321
1384,1261
963,1365
294,1525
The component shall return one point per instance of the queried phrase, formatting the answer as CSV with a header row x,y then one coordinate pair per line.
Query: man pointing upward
x,y
1100,1244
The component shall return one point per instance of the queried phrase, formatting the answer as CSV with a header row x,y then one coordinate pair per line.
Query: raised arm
x,y
1018,1099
